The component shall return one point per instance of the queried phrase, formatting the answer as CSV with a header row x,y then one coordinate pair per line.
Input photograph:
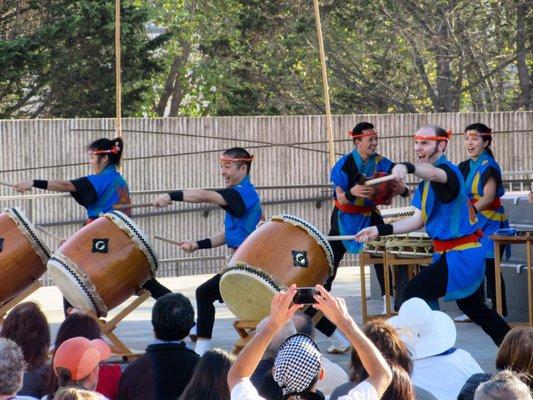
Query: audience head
x,y
425,332
298,350
77,324
303,324
172,317
27,326
77,360
76,394
285,332
395,352
516,351
209,380
503,385
12,366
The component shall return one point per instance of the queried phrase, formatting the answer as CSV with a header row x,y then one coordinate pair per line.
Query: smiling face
x,y
232,173
366,146
474,143
97,162
428,150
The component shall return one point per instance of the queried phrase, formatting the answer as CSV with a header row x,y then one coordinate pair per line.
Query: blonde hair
x,y
71,393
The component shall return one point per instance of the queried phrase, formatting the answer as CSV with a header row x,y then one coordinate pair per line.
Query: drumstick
x,y
139,205
50,234
381,179
163,239
340,237
6,184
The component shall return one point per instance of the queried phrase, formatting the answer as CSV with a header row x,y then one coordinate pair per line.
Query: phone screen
x,y
304,295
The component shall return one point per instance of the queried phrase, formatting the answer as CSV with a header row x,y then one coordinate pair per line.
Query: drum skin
x,y
20,264
115,272
266,262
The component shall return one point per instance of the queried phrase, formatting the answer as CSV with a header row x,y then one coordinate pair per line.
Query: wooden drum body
x,y
281,251
23,255
103,264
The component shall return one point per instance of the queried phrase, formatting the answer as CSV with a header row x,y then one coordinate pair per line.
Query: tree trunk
x,y
523,72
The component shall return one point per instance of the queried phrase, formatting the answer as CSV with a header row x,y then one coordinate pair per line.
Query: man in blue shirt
x,y
442,206
243,212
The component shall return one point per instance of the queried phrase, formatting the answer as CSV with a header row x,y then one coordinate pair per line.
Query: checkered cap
x,y
298,361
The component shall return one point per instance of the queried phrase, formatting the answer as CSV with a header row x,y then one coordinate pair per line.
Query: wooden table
x,y
504,240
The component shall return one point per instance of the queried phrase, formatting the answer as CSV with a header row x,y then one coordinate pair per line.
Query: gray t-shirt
x,y
343,389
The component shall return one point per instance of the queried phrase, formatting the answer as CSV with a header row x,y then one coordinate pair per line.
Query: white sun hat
x,y
425,332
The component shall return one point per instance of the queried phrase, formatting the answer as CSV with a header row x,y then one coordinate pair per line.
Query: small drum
x,y
281,251
103,264
411,245
23,255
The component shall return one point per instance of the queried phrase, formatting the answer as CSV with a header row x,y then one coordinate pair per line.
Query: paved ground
x,y
136,330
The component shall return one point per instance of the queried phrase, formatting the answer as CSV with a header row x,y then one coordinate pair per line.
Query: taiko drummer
x,y
241,202
98,192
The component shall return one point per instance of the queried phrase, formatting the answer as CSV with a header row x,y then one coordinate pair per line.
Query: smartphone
x,y
304,295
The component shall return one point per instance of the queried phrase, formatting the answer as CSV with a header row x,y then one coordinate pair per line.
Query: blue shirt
x,y
98,193
238,226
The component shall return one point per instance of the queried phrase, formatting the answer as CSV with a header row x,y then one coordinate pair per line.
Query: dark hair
x,y
27,326
64,379
485,133
172,317
360,127
239,152
209,379
516,352
74,325
395,352
303,324
104,144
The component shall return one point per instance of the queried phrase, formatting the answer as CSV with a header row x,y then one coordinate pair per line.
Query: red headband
x,y
437,138
480,134
361,135
114,150
236,159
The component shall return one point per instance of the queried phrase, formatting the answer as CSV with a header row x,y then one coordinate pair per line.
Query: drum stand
x,y
118,347
244,329
4,308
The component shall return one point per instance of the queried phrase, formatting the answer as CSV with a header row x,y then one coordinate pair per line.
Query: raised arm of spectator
x,y
379,373
281,311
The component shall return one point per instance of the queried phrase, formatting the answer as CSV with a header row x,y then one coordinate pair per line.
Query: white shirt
x,y
444,376
244,390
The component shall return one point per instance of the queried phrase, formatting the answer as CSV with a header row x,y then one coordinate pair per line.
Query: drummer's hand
x,y
366,234
334,308
162,201
282,309
188,246
399,171
341,196
22,187
361,191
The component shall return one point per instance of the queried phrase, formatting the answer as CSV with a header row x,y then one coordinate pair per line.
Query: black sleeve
x,y
491,172
85,193
464,167
448,191
235,202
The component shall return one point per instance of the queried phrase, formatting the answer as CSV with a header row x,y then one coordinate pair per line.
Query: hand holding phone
x,y
305,295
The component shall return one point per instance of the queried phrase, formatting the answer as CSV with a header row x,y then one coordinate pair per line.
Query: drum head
x,y
248,291
75,286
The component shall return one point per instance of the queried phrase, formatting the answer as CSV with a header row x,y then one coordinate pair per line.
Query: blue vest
x,y
492,218
447,221
351,223
237,229
111,189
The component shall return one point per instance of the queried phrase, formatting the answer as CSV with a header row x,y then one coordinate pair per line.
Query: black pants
x,y
206,295
155,288
491,285
431,283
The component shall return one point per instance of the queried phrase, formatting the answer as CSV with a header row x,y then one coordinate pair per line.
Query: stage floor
x,y
136,329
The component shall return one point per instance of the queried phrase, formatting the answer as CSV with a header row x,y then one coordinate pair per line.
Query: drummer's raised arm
x,y
54,185
190,196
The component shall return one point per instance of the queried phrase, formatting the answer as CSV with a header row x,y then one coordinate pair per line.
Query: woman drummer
x,y
98,192
483,179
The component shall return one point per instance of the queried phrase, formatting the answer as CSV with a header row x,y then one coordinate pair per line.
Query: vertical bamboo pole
x,y
118,83
329,124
